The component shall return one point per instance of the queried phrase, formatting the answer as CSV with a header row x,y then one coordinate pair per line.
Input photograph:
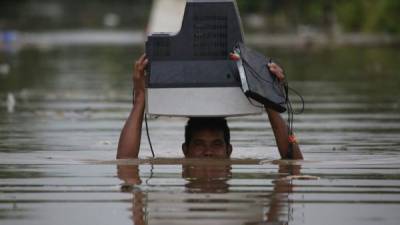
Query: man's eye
x,y
217,144
198,143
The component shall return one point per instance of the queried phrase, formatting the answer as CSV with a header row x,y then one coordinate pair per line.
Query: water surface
x,y
57,147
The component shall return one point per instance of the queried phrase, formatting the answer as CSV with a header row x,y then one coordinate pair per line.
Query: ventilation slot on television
x,y
209,36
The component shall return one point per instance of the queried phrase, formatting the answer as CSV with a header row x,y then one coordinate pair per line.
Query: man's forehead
x,y
208,134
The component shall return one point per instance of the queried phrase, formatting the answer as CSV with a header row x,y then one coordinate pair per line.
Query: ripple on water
x,y
69,112
176,191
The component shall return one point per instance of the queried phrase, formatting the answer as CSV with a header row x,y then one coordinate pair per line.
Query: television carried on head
x,y
190,73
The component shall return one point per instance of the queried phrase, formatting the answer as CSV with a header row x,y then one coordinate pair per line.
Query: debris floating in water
x,y
4,69
104,143
341,148
300,177
10,103
111,20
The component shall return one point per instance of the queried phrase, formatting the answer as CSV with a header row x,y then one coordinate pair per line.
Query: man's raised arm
x,y
279,126
129,140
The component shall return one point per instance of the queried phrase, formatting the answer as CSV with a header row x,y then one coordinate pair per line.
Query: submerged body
x,y
204,137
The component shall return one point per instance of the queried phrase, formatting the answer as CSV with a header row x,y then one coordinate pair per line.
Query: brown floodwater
x,y
58,144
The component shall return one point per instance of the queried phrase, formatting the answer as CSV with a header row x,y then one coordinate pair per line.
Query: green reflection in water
x,y
373,72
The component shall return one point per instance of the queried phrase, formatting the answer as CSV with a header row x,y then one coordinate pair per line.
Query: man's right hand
x,y
129,140
139,81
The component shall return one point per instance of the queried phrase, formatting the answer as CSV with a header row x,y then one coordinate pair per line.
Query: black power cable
x,y
290,110
148,135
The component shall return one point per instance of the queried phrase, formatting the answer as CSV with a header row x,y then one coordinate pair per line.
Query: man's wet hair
x,y
196,124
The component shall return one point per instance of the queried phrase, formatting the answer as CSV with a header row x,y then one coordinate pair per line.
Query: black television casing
x,y
198,55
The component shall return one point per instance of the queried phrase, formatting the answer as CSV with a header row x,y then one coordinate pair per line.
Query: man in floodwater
x,y
204,137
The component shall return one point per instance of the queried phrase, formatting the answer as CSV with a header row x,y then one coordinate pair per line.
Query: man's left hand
x,y
276,70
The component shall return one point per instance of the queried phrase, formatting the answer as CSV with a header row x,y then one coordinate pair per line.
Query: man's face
x,y
207,143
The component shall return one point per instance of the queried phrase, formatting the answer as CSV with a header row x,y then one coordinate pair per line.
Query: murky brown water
x,y
57,147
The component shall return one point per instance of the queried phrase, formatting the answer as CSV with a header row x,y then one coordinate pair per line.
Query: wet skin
x,y
207,143
204,145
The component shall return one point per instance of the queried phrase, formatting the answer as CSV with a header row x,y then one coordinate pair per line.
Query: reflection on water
x,y
212,195
70,104
174,191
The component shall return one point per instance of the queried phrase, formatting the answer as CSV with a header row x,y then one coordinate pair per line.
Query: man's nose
x,y
208,152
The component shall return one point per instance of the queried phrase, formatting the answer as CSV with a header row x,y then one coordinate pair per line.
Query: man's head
x,y
207,137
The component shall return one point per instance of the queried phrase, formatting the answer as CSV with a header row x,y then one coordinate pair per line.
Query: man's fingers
x,y
276,70
145,62
275,67
141,63
142,58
